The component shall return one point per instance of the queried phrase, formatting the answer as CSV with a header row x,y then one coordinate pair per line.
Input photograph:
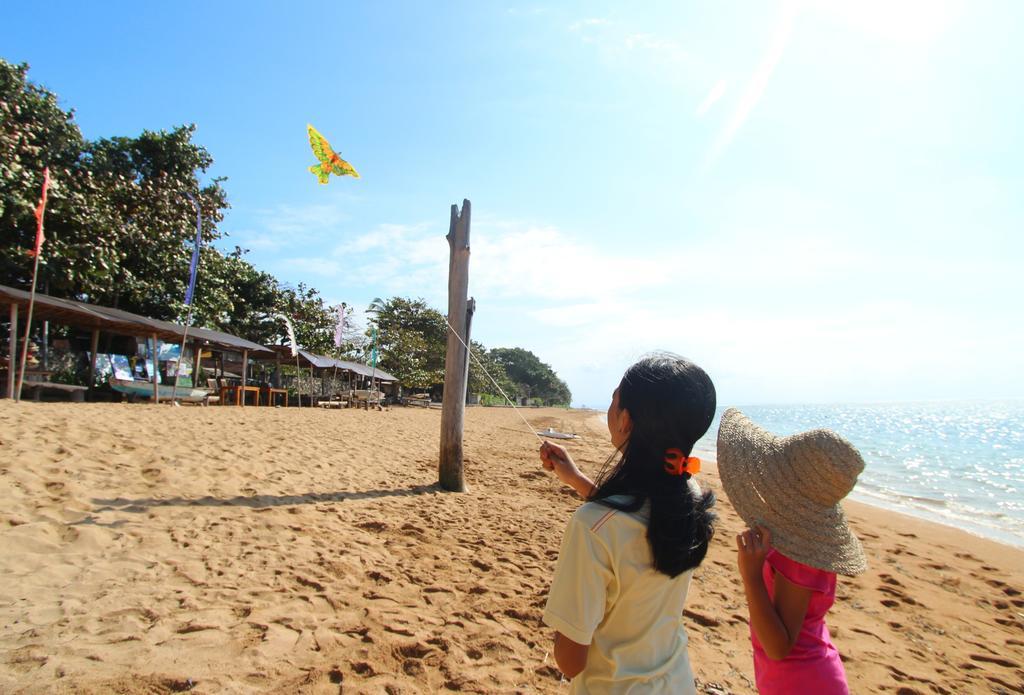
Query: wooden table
x,y
271,392
238,394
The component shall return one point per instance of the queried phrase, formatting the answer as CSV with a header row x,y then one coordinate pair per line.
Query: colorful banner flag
x,y
373,350
40,209
194,265
339,328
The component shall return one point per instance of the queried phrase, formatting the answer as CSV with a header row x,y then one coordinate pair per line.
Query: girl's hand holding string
x,y
555,458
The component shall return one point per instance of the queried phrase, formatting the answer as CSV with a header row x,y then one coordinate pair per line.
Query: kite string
x,y
493,381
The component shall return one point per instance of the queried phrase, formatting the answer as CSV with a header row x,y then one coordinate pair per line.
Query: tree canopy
x,y
412,339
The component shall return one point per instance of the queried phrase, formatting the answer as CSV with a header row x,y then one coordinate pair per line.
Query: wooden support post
x,y
12,351
156,372
94,346
198,382
456,363
245,369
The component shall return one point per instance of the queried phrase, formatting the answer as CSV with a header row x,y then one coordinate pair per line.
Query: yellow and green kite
x,y
330,162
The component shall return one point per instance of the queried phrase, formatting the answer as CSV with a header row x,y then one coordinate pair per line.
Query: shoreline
x,y
149,549
1003,537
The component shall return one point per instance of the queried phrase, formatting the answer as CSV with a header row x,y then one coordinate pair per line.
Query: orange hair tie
x,y
677,464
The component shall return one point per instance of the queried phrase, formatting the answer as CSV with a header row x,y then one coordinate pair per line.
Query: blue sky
x,y
818,201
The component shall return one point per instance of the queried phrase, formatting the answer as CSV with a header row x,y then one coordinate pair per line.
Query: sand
x,y
149,549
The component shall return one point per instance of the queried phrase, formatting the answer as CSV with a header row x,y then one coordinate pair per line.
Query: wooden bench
x,y
333,404
71,392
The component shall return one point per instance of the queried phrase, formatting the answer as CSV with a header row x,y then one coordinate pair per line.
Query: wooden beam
x,y
456,363
12,350
245,369
94,346
198,382
156,372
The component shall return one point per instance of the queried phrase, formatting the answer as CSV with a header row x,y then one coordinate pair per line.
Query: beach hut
x,y
330,377
156,343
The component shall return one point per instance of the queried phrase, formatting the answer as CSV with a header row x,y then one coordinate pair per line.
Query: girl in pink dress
x,y
788,490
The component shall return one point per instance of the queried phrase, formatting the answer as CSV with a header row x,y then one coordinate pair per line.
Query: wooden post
x,y
94,346
456,362
197,361
245,369
12,350
156,372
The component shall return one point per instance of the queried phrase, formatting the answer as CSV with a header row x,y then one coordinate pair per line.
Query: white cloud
x,y
582,24
617,43
659,47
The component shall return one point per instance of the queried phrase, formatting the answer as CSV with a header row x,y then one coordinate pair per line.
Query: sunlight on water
x,y
961,463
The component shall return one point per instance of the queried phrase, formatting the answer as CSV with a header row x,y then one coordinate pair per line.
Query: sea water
x,y
958,463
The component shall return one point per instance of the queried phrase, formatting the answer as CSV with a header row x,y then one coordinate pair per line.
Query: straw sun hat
x,y
793,486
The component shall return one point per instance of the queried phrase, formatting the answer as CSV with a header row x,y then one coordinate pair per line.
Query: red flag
x,y
40,209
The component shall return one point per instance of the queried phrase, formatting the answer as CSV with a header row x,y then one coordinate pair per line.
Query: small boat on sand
x,y
551,433
134,387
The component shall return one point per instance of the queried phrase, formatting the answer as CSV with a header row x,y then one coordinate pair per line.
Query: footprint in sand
x,y
997,660
441,643
363,669
868,633
317,586
896,593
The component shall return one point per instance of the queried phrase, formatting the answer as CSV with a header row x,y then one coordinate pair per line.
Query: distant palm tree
x,y
376,306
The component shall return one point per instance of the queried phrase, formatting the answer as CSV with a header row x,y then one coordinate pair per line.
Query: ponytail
x,y
681,521
671,403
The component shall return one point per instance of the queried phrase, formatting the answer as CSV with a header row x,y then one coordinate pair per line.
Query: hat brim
x,y
754,481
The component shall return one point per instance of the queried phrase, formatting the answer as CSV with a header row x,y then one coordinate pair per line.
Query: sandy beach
x,y
150,549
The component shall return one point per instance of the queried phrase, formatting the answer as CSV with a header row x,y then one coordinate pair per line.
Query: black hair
x,y
671,403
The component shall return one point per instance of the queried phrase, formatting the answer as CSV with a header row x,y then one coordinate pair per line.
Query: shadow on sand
x,y
142,504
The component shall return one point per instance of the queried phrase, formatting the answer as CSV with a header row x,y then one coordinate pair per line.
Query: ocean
x,y
957,463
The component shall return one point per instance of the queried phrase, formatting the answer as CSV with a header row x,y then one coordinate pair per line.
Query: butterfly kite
x,y
330,162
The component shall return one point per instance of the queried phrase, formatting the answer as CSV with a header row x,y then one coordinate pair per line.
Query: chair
x,y
214,389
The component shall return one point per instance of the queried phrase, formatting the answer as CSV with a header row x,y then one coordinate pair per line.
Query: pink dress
x,y
813,666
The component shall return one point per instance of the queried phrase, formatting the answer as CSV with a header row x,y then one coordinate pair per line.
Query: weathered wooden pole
x,y
456,362
156,372
12,351
94,346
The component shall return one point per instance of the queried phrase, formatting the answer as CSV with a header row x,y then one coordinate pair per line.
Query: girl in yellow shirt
x,y
628,553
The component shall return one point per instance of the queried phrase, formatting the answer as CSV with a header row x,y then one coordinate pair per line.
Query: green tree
x,y
34,132
410,340
533,378
311,317
134,250
235,297
478,380
119,226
